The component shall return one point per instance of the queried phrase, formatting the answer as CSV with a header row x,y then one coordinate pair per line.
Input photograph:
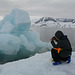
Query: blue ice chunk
x,y
7,28
16,38
29,45
34,37
5,19
19,18
9,44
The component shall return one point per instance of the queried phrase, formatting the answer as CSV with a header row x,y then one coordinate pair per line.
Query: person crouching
x,y
61,50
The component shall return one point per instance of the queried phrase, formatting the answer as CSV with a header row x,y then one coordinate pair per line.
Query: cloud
x,y
5,7
55,8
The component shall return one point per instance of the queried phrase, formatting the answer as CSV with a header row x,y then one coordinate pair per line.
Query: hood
x,y
59,34
64,37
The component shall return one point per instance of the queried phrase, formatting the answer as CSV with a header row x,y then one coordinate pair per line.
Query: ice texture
x,y
7,28
29,45
9,44
16,38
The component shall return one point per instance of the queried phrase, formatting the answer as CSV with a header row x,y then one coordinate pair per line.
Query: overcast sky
x,y
51,8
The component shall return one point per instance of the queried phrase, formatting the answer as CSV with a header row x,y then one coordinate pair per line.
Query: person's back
x,y
66,47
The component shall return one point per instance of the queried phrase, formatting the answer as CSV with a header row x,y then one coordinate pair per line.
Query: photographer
x,y
61,50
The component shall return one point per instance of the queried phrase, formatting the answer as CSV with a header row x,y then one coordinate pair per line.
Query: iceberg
x,y
18,18
16,38
29,45
7,28
9,44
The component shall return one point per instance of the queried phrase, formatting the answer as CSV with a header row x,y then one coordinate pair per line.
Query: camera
x,y
54,38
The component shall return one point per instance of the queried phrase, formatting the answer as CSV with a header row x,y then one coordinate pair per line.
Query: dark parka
x,y
62,43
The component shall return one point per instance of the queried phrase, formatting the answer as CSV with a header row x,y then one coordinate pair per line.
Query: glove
x,y
51,39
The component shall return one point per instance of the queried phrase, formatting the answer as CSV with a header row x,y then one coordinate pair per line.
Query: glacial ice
x,y
16,38
6,28
9,44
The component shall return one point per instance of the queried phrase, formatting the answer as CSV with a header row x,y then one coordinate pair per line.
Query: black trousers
x,y
56,57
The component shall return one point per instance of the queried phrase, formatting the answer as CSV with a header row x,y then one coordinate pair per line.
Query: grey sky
x,y
51,8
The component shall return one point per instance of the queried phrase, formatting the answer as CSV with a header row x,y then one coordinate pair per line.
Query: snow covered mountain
x,y
54,22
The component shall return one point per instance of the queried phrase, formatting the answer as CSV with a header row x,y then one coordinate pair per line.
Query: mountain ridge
x,y
55,19
54,22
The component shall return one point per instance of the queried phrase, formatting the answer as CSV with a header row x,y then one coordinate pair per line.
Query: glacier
x,y
16,39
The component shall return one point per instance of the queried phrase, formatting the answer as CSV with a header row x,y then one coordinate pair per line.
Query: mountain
x,y
54,22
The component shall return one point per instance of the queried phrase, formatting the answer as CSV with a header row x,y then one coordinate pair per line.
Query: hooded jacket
x,y
62,43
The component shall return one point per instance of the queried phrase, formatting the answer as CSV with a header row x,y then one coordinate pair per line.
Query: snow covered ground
x,y
40,64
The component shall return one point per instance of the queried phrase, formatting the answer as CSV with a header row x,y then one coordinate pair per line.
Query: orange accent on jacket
x,y
58,49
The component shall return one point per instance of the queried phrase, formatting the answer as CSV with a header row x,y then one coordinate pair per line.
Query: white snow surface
x,y
40,64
